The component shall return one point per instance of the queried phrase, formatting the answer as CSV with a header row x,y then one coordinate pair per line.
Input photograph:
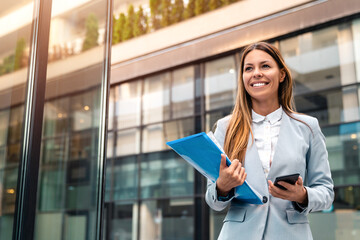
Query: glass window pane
x,y
211,118
111,113
69,171
125,178
166,174
51,197
356,41
167,219
320,59
216,222
220,83
108,180
342,143
128,104
56,117
110,145
54,150
82,108
81,145
155,136
329,107
182,92
156,98
15,20
124,222
128,142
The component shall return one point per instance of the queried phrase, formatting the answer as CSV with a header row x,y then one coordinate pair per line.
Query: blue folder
x,y
205,156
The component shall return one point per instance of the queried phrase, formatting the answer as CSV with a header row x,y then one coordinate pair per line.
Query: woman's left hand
x,y
296,193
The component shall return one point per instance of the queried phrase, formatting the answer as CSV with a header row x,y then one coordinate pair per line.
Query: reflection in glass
x,y
320,59
216,222
81,145
56,117
15,21
54,149
212,117
167,219
111,112
68,177
108,180
128,104
125,172
342,143
329,107
51,197
220,83
124,221
128,142
356,42
165,174
182,92
156,98
82,111
110,145
155,136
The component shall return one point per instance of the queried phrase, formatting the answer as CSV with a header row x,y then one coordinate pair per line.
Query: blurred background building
x,y
174,67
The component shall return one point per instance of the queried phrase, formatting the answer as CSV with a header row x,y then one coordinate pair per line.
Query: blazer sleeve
x,y
319,182
211,196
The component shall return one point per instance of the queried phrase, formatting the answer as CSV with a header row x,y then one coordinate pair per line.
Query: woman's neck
x,y
265,108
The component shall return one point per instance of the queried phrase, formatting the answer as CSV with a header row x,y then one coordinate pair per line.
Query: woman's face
x,y
262,76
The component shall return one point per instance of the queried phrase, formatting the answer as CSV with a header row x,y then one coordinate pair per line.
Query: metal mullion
x,y
25,206
104,103
140,157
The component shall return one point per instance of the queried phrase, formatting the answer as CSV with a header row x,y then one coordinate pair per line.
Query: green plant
x,y
118,27
155,10
19,53
128,32
201,6
8,64
214,4
140,24
190,9
177,11
165,13
92,32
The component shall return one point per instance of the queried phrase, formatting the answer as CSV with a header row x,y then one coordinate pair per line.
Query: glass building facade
x,y
53,90
149,192
160,191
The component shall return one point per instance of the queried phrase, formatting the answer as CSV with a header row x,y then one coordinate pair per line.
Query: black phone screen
x,y
292,178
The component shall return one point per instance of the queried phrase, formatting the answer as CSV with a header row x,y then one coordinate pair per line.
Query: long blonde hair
x,y
237,134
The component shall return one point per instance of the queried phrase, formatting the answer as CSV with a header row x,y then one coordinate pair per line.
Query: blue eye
x,y
266,66
248,69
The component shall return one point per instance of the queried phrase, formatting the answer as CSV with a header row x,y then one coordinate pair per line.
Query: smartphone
x,y
292,178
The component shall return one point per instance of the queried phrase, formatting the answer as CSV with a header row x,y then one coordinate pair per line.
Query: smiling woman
x,y
285,143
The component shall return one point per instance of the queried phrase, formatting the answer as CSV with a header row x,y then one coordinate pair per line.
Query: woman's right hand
x,y
229,176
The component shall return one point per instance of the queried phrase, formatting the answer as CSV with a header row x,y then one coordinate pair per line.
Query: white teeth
x,y
259,84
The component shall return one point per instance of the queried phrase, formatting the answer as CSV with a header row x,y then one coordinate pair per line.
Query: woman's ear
x,y
282,75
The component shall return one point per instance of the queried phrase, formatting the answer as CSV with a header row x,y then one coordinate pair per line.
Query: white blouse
x,y
266,131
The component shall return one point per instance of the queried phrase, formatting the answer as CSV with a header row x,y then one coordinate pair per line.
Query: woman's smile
x,y
258,84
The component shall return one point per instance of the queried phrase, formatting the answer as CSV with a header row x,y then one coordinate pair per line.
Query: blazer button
x,y
265,199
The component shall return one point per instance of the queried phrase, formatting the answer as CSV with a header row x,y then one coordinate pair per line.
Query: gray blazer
x,y
298,150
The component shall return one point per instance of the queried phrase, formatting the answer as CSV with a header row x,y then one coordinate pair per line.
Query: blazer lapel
x,y
253,167
280,149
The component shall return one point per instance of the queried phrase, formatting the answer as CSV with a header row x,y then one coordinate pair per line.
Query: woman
x,y
266,138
